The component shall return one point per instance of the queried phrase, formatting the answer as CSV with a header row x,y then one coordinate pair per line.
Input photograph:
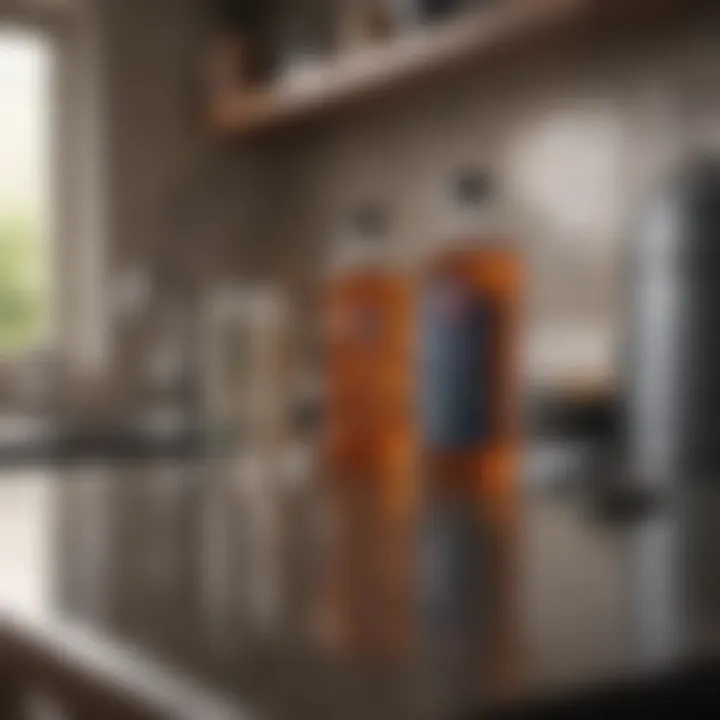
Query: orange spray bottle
x,y
369,440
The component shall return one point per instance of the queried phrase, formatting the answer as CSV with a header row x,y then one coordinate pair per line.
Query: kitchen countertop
x,y
168,558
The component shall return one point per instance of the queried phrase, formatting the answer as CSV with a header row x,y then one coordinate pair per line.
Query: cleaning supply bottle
x,y
469,430
368,447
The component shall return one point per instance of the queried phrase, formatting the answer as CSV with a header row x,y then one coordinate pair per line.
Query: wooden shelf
x,y
383,70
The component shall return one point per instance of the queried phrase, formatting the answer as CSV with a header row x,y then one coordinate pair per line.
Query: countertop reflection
x,y
207,570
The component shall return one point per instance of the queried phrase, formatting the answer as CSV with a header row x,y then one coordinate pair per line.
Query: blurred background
x,y
178,179
148,165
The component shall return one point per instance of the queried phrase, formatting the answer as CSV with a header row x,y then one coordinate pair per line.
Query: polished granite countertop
x,y
175,559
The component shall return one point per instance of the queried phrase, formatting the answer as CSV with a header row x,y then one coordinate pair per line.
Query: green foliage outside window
x,y
23,284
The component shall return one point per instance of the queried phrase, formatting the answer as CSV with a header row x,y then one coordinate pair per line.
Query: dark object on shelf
x,y
305,32
249,27
241,14
363,22
439,9
673,418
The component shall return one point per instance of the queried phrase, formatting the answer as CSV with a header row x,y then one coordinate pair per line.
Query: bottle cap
x,y
370,221
472,186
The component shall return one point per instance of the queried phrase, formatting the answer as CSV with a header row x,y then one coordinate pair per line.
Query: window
x,y
25,163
